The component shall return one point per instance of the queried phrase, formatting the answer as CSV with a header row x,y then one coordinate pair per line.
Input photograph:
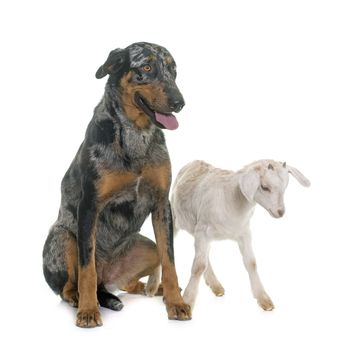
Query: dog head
x,y
143,76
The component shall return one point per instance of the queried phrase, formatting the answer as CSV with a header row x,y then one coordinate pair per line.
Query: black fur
x,y
108,300
87,212
103,133
170,233
56,280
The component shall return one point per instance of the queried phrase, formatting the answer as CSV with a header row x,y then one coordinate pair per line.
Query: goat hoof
x,y
218,291
266,303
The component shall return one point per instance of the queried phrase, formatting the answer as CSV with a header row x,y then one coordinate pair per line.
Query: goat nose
x,y
177,105
280,212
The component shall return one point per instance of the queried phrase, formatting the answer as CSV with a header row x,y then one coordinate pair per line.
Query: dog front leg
x,y
88,312
163,229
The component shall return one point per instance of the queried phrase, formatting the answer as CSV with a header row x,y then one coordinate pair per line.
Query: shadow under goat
x,y
215,204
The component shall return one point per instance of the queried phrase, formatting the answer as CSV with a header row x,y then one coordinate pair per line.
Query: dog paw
x,y
89,318
115,305
71,297
266,303
180,311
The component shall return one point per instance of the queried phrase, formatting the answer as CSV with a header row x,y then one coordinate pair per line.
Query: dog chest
x,y
128,208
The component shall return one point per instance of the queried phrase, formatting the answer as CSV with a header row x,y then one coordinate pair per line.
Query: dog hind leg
x,y
108,300
140,260
60,264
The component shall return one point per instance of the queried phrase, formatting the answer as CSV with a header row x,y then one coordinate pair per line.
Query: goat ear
x,y
114,62
298,175
249,183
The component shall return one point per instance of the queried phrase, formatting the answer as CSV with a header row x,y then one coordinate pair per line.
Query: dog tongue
x,y
169,121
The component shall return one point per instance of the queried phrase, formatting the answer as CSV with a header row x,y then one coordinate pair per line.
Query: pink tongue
x,y
169,121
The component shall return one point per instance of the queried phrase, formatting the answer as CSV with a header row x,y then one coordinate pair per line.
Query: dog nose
x,y
177,105
280,212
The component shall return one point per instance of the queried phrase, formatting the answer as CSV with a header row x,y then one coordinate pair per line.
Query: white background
x,y
262,79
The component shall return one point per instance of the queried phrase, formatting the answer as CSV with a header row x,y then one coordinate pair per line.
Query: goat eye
x,y
265,188
146,68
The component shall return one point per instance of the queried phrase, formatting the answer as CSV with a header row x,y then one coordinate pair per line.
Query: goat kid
x,y
215,204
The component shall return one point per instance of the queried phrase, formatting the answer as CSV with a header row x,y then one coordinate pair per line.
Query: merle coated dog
x,y
119,176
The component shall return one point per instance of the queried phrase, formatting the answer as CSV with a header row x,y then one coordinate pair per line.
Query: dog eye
x,y
146,68
265,188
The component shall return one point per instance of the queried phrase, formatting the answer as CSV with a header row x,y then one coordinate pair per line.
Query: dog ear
x,y
298,175
249,182
114,62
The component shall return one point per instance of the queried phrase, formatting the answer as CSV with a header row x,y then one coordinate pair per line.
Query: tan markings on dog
x,y
88,312
153,94
257,168
175,305
136,287
70,291
169,279
152,58
169,60
112,182
159,176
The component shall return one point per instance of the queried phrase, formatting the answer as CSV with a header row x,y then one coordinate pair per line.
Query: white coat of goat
x,y
215,204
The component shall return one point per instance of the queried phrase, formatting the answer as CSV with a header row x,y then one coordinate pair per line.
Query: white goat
x,y
215,204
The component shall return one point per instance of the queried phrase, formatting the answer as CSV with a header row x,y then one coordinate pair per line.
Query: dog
x,y
120,174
